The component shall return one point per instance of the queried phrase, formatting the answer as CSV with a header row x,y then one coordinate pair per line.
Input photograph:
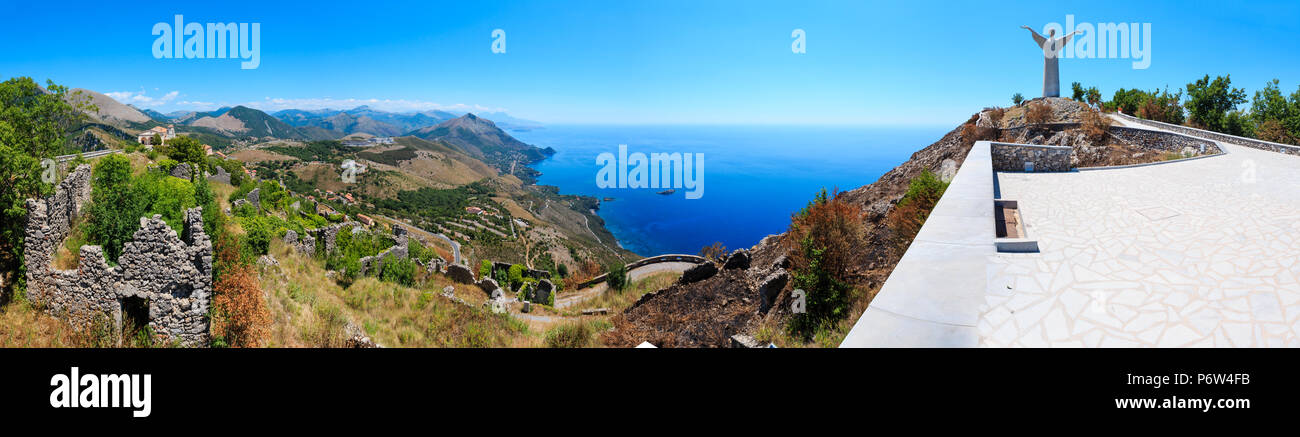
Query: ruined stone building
x,y
162,280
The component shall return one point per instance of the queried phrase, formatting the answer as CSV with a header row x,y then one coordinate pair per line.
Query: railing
x,y
694,259
86,155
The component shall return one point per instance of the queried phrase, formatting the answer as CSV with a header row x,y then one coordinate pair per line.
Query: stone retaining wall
x,y
1163,141
169,274
1240,141
1012,157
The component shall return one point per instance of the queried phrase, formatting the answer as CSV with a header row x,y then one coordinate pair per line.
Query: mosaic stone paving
x,y
1198,253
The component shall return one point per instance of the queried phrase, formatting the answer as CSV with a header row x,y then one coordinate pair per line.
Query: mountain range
x,y
319,124
473,135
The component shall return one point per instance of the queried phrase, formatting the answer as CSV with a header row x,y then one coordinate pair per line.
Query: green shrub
x,y
185,149
824,244
257,235
398,271
114,209
167,165
515,276
617,278
484,269
166,196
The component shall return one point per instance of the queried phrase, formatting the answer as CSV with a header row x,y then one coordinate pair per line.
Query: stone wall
x,y
1012,157
328,235
503,268
170,274
399,250
1240,141
221,175
1163,141
181,170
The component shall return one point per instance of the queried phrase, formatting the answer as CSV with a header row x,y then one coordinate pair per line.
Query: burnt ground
x,y
702,314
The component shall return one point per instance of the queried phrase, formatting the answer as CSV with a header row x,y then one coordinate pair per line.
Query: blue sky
x,y
704,62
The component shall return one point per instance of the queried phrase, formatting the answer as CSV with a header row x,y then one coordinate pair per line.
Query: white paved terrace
x,y
1203,252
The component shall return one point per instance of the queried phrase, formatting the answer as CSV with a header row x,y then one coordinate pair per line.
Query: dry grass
x,y
617,301
253,156
1039,113
310,310
577,334
22,325
68,256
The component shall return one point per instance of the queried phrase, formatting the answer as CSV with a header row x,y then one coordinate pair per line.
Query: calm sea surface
x,y
754,176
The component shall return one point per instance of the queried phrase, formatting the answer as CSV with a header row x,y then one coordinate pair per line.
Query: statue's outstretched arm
x,y
1037,38
1066,39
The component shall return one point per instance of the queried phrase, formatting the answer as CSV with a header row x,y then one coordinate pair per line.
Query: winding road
x,y
633,274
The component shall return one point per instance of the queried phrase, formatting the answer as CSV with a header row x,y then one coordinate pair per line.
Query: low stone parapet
x,y
1030,157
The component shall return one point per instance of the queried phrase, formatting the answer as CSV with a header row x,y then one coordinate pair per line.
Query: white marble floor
x,y
1198,253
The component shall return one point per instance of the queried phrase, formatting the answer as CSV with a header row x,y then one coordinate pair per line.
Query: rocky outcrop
x,y
738,260
357,338
166,276
698,273
742,341
770,287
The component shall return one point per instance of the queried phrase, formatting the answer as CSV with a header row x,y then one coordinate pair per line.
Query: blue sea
x,y
754,176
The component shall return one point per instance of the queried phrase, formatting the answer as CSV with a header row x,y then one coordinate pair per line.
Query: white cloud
x,y
142,100
171,101
270,104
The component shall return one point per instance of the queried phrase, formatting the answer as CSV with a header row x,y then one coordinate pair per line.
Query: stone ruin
x,y
327,235
182,171
460,274
162,280
500,268
399,250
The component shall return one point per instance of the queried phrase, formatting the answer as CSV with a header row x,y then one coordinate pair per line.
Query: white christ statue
x,y
1051,54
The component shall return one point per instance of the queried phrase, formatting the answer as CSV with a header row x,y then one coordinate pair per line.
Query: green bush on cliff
x,y
617,278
